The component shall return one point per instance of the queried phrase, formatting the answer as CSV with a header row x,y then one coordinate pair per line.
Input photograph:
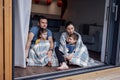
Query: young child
x,y
42,35
71,42
71,45
38,54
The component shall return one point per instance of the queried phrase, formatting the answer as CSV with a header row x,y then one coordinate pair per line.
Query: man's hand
x,y
49,53
69,57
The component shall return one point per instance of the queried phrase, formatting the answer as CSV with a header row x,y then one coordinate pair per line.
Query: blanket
x,y
81,56
38,55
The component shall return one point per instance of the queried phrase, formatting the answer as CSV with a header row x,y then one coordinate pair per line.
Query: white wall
x,y
85,11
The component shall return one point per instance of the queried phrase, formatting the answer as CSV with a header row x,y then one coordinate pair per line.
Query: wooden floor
x,y
28,71
108,74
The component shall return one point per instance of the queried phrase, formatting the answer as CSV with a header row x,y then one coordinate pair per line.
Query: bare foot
x,y
63,66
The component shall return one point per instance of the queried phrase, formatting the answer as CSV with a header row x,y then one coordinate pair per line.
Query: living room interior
x,y
88,19
87,15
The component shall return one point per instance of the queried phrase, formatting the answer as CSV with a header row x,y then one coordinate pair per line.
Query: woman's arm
x,y
62,46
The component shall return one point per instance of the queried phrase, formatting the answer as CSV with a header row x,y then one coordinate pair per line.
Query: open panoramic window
x,y
89,17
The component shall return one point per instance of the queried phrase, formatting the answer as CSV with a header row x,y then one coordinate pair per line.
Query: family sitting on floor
x,y
40,49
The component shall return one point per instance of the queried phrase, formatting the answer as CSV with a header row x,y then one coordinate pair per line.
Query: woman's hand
x,y
69,57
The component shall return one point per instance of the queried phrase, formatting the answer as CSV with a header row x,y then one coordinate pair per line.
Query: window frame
x,y
108,52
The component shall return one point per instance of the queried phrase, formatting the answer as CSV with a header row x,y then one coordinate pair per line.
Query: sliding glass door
x,y
112,42
110,53
118,40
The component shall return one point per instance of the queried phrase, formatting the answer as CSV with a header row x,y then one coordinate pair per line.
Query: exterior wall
x,y
1,40
6,40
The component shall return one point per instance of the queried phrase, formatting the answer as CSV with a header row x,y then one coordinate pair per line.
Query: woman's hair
x,y
41,30
68,23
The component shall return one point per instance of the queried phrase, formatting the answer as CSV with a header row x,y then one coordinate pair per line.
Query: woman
x,y
80,54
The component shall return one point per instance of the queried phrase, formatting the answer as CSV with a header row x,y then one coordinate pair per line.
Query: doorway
x,y
33,71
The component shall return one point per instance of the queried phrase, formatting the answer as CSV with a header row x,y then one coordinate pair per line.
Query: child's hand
x,y
69,57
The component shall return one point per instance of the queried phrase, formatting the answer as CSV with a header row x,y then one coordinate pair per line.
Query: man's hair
x,y
74,36
68,23
41,17
41,30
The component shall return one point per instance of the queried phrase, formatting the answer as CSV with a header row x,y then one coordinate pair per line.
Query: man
x,y
33,34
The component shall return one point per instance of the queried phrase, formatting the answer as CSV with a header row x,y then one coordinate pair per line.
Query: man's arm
x,y
51,46
30,37
51,42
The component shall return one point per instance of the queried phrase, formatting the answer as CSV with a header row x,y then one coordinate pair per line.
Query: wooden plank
x,y
1,39
108,74
8,38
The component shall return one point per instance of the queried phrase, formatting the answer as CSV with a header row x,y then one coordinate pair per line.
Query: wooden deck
x,y
108,74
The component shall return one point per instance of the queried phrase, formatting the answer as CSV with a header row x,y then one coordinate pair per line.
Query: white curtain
x,y
21,21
